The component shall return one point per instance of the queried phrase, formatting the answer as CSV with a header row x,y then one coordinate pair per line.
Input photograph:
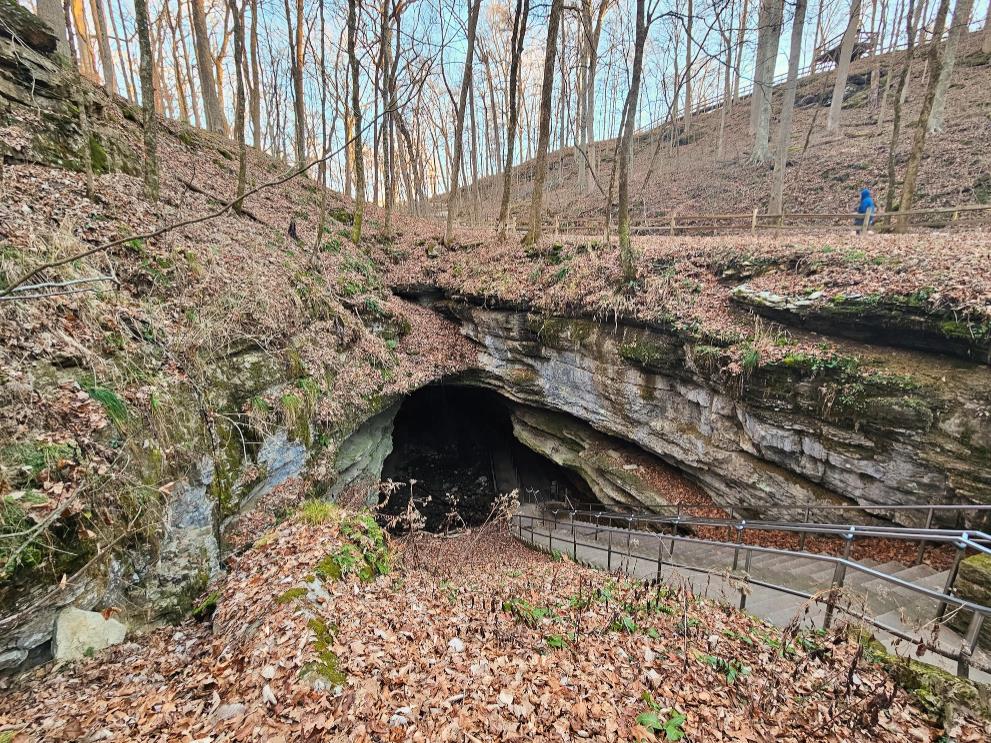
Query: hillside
x,y
825,174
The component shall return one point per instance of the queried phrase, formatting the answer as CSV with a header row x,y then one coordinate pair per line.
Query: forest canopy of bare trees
x,y
427,97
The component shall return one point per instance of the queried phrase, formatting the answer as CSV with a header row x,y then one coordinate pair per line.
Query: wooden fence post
x,y
753,222
672,225
868,215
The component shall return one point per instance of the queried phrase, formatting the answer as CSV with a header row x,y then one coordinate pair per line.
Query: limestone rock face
x,y
79,633
778,437
361,456
602,462
189,553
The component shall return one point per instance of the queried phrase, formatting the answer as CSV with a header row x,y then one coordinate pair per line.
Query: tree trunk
x,y
935,61
194,98
899,101
388,150
242,154
688,67
52,12
544,125
255,96
843,68
986,43
740,37
515,53
87,62
215,120
297,59
149,121
961,17
459,123
627,258
767,55
787,109
103,41
359,166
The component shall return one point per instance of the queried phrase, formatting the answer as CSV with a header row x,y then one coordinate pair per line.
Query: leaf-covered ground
x,y
687,282
321,634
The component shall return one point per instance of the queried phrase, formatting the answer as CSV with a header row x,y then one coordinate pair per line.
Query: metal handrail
x,y
841,565
945,536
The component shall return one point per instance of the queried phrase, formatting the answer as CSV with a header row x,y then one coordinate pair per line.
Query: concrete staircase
x,y
708,570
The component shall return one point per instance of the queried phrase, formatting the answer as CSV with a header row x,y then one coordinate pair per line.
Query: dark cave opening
x,y
456,445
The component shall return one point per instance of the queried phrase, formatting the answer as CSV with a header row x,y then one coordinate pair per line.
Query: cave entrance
x,y
456,446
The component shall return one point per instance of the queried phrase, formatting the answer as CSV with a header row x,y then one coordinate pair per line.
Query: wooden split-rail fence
x,y
678,224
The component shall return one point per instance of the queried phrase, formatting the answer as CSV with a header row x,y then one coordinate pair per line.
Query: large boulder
x,y
79,634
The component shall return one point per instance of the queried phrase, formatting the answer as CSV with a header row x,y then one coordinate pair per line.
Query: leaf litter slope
x,y
472,638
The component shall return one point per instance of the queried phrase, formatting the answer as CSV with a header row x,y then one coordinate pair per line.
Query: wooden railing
x,y
675,224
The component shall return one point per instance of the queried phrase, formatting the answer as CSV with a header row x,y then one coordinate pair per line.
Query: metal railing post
x,y
550,535
629,537
660,557
574,538
922,545
969,645
839,575
739,540
801,538
951,577
746,580
609,554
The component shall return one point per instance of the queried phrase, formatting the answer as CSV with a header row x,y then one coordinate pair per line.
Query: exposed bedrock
x,y
791,432
607,465
904,321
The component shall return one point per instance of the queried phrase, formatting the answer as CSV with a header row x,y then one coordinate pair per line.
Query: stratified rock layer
x,y
792,432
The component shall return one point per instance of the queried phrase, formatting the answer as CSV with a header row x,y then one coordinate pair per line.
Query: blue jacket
x,y
866,202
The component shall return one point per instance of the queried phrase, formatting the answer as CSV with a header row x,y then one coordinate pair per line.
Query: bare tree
x,y
644,18
149,121
515,52
297,59
787,109
544,125
768,37
87,60
591,23
459,121
255,95
103,41
215,119
239,104
843,67
354,7
961,18
896,123
935,61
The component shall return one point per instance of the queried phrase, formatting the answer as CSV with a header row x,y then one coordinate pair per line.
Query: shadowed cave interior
x,y
456,445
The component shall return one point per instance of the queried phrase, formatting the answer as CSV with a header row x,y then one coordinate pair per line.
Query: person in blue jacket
x,y
866,202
